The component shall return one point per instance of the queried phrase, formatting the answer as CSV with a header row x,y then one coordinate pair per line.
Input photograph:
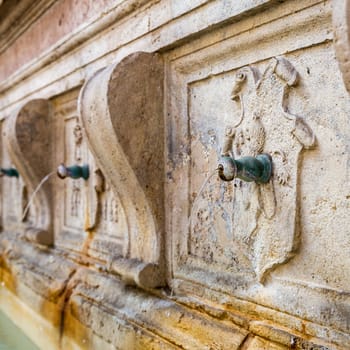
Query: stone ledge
x,y
98,308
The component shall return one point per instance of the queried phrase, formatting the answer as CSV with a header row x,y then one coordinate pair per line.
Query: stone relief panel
x,y
225,238
75,152
70,193
92,220
111,229
238,232
252,227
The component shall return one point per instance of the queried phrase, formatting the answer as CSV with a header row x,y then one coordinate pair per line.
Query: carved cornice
x,y
16,18
165,32
74,39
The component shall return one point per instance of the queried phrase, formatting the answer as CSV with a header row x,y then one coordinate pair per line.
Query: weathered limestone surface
x,y
153,250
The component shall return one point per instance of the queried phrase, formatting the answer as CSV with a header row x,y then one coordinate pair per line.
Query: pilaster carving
x,y
121,110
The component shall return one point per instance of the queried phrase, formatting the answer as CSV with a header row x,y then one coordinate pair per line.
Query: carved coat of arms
x,y
262,220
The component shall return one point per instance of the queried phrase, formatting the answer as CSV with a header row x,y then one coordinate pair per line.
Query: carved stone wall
x,y
152,250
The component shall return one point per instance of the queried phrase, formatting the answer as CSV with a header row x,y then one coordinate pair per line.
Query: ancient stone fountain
x,y
202,193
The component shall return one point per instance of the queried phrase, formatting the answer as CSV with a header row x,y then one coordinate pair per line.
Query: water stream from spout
x,y
44,179
206,181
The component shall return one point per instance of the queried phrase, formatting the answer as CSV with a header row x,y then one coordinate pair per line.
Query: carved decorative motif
x,y
74,152
262,219
78,136
86,224
75,201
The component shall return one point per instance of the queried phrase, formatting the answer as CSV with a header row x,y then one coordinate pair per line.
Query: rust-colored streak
x,y
87,242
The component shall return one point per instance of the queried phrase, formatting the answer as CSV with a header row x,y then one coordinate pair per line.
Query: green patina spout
x,y
11,172
74,171
258,169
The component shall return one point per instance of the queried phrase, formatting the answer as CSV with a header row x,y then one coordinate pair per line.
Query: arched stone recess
x,y
121,110
26,136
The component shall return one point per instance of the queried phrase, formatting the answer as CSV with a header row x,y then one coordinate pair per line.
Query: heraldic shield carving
x,y
260,218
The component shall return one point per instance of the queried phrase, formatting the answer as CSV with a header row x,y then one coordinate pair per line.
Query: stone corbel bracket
x,y
121,110
28,141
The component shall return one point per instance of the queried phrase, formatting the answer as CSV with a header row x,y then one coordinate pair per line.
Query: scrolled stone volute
x,y
121,110
29,144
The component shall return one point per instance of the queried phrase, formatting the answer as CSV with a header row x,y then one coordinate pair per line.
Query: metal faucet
x,y
11,172
258,169
74,171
